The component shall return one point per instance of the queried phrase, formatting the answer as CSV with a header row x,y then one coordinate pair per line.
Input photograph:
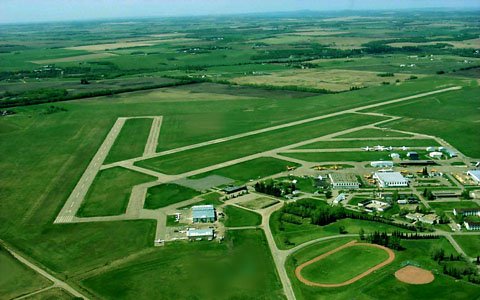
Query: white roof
x,y
475,174
390,177
200,232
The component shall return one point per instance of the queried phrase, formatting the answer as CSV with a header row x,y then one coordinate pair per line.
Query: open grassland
x,y
168,194
288,235
18,279
131,141
52,294
110,192
371,143
353,156
73,58
213,154
239,268
473,43
251,170
441,207
332,80
344,264
212,198
259,203
373,133
451,116
380,284
238,217
469,243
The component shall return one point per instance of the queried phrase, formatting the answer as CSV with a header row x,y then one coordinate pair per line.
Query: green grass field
x,y
213,154
131,141
212,198
344,264
110,192
251,170
371,143
441,207
373,133
238,217
239,268
52,294
293,234
469,243
259,203
380,284
167,194
18,279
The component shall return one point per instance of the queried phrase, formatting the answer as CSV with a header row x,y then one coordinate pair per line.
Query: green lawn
x,y
382,284
238,217
252,169
363,143
167,194
293,234
184,161
373,133
339,156
212,198
110,192
259,203
344,264
131,141
469,243
441,207
18,279
239,268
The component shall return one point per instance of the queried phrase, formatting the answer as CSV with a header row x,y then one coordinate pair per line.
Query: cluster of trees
x,y
387,74
382,238
324,215
456,270
427,193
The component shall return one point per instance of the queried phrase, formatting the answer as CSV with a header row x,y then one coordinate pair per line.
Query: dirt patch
x,y
298,270
414,275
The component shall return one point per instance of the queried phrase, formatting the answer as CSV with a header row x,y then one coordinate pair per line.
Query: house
x,y
430,149
339,198
414,216
435,154
429,219
374,205
203,213
413,155
199,234
470,225
382,164
344,181
475,175
445,194
390,179
466,212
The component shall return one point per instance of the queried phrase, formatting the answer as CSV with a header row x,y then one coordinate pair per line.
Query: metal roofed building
x,y
475,174
381,164
390,179
203,213
344,181
193,234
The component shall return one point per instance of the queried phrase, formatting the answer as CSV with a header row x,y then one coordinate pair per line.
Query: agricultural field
x,y
234,101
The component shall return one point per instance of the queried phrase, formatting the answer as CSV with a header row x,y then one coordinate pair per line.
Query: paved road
x,y
152,142
78,194
255,132
56,282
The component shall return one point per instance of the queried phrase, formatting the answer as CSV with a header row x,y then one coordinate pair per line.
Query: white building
x,y
339,198
390,179
395,156
382,164
475,174
430,149
435,154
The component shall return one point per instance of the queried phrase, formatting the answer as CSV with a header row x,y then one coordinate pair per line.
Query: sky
x,y
20,11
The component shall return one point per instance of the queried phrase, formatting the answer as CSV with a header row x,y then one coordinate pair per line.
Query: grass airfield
x,y
44,154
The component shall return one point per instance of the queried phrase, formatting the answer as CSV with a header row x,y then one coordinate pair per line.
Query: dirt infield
x,y
298,270
414,275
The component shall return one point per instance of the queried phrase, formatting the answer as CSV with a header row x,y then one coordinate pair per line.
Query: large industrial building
x,y
390,179
344,181
198,234
203,213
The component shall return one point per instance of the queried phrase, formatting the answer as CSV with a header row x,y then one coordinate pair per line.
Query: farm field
x,y
20,280
238,217
243,261
239,99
